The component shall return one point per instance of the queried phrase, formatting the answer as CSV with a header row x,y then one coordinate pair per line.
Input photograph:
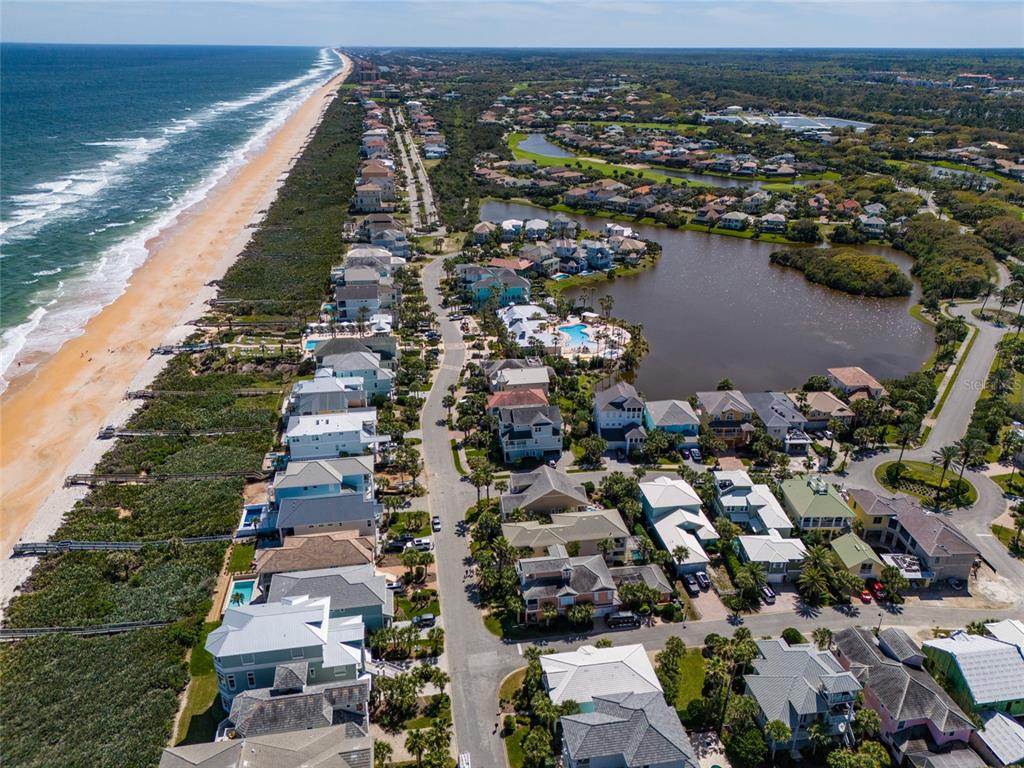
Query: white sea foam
x,y
75,300
45,272
63,197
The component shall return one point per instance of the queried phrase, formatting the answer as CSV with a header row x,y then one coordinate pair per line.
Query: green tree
x,y
778,733
382,752
537,749
416,743
822,637
894,582
593,448
746,749
866,723
580,614
725,385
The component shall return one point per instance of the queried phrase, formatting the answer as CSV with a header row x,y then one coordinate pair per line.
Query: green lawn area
x,y
1005,535
917,312
691,678
458,460
412,522
404,610
1003,481
241,558
511,684
921,479
514,747
203,712
591,164
685,128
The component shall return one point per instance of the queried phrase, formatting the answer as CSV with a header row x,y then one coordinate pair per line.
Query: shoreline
x,y
51,414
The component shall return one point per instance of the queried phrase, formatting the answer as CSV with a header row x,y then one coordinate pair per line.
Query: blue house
x,y
354,590
676,417
325,477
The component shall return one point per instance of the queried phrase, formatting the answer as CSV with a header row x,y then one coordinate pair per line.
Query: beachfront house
x,y
355,590
253,640
378,380
282,749
326,393
814,504
330,435
676,417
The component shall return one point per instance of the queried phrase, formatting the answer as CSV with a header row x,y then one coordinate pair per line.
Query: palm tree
x,y
382,752
680,553
822,637
986,291
500,486
757,575
778,733
416,743
549,613
819,736
835,426
904,434
813,584
968,450
944,457
237,598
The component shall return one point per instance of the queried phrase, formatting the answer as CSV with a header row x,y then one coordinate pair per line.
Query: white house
x,y
674,508
749,504
582,674
328,435
778,556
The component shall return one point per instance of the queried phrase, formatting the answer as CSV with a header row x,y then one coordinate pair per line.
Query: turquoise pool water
x,y
244,588
311,344
578,336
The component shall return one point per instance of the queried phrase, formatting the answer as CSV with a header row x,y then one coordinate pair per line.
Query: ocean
x,y
102,146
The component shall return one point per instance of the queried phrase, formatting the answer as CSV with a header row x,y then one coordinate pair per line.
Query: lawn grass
x,y
203,712
917,312
1005,536
511,684
458,460
1003,481
590,164
405,611
921,479
691,678
241,558
405,523
514,747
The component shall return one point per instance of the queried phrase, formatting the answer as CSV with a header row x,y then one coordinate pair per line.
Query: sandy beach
x,y
49,417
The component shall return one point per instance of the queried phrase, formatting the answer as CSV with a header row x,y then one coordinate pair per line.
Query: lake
x,y
539,144
714,306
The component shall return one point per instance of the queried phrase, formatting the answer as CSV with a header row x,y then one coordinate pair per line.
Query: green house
x,y
253,640
986,674
814,504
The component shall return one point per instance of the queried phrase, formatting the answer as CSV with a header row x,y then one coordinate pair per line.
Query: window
x,y
568,600
248,658
876,520
250,678
297,653
231,682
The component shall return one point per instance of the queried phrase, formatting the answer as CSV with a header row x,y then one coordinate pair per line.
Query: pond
x,y
714,306
539,144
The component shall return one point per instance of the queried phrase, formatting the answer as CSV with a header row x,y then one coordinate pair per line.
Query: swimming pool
x,y
578,336
311,344
244,588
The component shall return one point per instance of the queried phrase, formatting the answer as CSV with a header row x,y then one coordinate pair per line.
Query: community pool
x,y
243,588
311,344
578,336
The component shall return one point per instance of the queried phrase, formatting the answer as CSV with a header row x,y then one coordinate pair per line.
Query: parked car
x,y
703,580
423,545
691,585
865,596
396,586
623,619
424,620
877,590
767,595
695,455
435,524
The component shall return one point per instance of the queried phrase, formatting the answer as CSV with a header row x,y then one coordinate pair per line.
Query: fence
x,y
36,548
95,479
10,635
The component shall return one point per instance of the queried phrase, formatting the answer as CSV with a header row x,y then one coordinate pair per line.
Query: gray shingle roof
x,y
934,535
905,692
588,574
620,396
262,711
355,586
667,413
527,489
298,511
639,728
341,746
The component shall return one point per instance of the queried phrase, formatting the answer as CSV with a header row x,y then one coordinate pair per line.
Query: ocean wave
x,y
59,198
81,296
45,272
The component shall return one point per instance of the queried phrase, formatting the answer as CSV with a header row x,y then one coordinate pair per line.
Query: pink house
x,y
916,713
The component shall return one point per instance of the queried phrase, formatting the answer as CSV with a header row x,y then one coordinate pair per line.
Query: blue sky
x,y
560,23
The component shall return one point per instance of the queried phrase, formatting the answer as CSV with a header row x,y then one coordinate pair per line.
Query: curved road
x,y
479,661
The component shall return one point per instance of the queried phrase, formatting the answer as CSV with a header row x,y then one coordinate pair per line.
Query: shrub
x,y
793,636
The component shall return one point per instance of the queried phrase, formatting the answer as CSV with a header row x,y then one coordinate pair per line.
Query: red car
x,y
876,590
865,596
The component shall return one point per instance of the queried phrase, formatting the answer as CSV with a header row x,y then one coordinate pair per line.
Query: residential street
x,y
478,661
